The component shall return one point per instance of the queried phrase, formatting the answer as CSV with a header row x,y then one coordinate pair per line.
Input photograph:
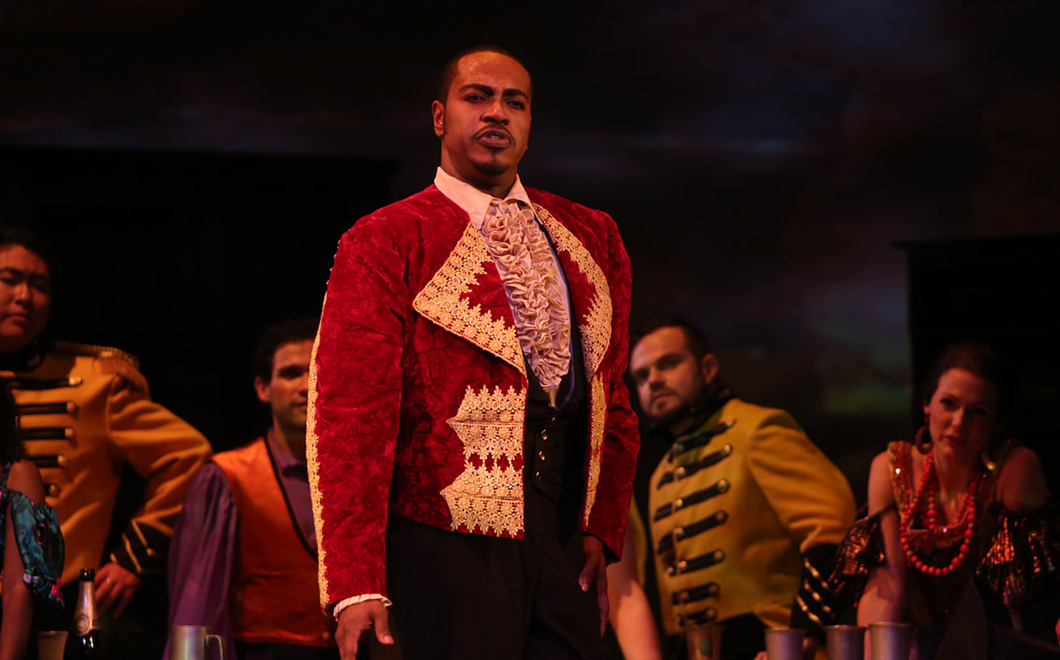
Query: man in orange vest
x,y
244,553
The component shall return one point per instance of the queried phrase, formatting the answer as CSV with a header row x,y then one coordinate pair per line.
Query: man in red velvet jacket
x,y
471,447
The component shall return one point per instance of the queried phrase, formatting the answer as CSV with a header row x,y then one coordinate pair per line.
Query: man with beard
x,y
244,555
471,445
745,512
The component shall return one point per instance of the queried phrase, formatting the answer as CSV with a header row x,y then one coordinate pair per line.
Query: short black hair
x,y
980,359
450,70
11,448
33,242
697,341
275,336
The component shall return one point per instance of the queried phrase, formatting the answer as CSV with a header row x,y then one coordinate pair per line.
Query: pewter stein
x,y
784,643
704,641
890,641
51,644
845,642
189,643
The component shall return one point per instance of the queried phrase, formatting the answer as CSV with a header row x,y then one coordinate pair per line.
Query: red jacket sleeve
x,y
610,512
355,398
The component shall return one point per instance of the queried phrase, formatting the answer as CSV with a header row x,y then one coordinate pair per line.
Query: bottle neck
x,y
86,617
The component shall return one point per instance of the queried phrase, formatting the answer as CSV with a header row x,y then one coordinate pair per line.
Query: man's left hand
x,y
115,587
595,572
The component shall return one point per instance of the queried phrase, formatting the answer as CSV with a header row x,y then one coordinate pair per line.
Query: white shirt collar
x,y
471,199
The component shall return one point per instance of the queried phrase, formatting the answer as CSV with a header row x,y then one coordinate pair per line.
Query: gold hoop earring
x,y
922,439
988,463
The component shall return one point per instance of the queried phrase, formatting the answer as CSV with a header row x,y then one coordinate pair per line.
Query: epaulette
x,y
111,360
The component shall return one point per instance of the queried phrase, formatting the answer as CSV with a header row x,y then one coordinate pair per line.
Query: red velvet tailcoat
x,y
418,383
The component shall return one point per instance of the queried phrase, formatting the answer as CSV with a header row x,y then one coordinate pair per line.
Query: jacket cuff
x,y
353,600
814,605
141,550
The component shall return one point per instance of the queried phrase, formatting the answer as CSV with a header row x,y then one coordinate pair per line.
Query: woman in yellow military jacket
x,y
85,412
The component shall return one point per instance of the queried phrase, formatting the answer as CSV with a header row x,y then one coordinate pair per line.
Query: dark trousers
x,y
463,596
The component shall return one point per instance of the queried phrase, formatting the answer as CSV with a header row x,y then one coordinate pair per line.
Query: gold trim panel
x,y
314,467
443,301
487,497
597,421
596,331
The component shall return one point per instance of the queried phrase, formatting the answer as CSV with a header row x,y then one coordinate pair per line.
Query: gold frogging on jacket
x,y
85,410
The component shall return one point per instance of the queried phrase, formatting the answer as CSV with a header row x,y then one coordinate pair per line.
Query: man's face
x,y
25,297
668,377
484,123
287,391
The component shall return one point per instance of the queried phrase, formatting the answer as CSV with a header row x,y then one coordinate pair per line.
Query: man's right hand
x,y
355,619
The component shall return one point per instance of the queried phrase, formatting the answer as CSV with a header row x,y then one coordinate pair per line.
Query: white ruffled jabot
x,y
528,272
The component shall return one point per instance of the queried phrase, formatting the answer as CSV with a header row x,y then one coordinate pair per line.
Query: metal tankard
x,y
189,643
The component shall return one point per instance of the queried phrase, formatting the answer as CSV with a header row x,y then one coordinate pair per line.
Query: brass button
x,y
723,486
719,556
679,473
75,381
726,450
69,433
541,455
537,475
53,490
71,408
544,434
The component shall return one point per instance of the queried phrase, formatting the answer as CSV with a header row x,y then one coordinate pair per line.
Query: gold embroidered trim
x,y
442,301
597,419
314,467
596,331
487,497
816,596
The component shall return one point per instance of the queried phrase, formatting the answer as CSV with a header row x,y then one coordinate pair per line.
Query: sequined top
x,y
1014,553
39,541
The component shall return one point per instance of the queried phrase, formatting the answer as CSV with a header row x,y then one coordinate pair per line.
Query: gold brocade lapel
x,y
446,300
592,303
591,297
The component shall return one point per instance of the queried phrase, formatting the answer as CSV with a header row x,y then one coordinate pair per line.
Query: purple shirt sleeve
x,y
201,555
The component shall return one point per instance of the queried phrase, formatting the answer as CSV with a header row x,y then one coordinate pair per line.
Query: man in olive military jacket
x,y
745,512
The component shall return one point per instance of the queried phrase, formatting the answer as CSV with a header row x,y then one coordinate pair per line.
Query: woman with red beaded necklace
x,y
952,508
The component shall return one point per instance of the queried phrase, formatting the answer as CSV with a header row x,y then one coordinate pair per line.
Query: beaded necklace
x,y
930,514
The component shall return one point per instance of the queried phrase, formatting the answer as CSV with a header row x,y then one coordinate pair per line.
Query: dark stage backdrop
x,y
182,258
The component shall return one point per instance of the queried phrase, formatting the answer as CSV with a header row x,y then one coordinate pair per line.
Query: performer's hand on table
x,y
115,587
595,572
357,618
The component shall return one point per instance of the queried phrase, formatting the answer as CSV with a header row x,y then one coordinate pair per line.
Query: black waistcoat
x,y
555,437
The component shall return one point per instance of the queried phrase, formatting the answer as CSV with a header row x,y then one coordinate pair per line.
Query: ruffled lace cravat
x,y
532,281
